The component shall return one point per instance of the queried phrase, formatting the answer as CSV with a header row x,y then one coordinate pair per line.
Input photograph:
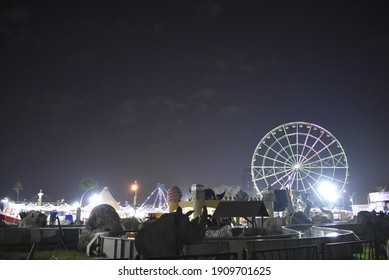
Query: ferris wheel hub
x,y
297,167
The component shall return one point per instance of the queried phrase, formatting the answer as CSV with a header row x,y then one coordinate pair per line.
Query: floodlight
x,y
94,199
328,191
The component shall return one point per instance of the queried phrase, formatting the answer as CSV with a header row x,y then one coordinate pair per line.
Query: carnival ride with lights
x,y
160,202
302,158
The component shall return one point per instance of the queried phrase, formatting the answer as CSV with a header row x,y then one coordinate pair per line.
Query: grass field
x,y
56,254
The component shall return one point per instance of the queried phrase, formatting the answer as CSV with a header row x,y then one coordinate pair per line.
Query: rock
x,y
33,219
225,231
131,224
274,225
241,196
299,218
103,218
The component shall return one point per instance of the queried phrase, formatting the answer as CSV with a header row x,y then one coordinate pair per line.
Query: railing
x,y
216,256
308,252
375,249
341,250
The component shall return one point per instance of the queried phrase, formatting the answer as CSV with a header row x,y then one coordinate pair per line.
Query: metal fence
x,y
374,249
216,256
308,252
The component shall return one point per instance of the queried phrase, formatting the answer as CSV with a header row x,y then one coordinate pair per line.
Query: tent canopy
x,y
104,197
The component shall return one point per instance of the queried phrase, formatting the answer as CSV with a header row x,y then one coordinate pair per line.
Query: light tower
x,y
134,188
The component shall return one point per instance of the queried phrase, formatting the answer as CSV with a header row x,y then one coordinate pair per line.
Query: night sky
x,y
181,92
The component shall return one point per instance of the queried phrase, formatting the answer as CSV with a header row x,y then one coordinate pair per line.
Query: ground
x,y
45,255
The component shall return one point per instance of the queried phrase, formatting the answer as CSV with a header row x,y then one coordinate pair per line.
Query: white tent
x,y
104,197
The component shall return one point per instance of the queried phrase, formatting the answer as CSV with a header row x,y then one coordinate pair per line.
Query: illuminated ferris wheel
x,y
301,157
158,198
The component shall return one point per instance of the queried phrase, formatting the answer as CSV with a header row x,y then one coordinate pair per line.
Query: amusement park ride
x,y
158,197
302,158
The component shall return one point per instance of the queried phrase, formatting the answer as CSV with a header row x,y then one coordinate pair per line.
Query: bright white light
x,y
76,204
95,199
328,191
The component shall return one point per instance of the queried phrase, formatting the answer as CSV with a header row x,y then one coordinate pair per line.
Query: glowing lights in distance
x,y
95,199
328,191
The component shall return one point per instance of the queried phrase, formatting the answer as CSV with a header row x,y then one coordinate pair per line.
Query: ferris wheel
x,y
160,201
300,157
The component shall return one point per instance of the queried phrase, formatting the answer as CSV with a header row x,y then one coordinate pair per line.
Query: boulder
x,y
33,219
299,218
131,224
274,225
241,196
103,218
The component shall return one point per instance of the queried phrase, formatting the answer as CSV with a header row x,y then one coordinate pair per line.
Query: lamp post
x,y
134,188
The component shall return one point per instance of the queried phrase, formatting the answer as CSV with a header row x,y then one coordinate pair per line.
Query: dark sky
x,y
181,92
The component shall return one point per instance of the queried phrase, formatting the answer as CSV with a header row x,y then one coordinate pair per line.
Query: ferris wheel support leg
x,y
257,192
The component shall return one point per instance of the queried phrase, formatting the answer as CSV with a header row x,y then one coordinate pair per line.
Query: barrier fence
x,y
373,249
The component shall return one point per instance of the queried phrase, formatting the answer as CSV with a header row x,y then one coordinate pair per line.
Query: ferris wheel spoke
x,y
338,160
325,176
312,187
276,152
331,178
308,156
297,143
289,144
282,177
300,180
281,146
267,172
317,139
329,157
305,143
322,149
307,150
263,173
293,178
326,167
274,174
313,179
314,190
271,159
